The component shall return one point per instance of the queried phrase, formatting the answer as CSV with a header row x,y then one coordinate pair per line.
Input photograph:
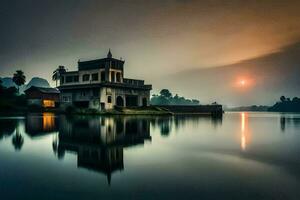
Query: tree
x,y
296,99
195,101
57,73
1,86
282,98
165,98
19,79
166,93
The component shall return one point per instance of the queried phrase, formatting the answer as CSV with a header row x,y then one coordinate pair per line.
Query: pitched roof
x,y
43,90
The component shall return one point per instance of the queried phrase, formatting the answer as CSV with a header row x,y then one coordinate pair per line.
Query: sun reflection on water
x,y
244,131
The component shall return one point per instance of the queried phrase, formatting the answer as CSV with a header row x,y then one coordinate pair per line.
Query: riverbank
x,y
150,110
213,110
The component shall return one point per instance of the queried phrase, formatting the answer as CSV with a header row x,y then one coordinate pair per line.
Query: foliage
x,y
257,108
19,78
286,105
9,100
165,97
57,73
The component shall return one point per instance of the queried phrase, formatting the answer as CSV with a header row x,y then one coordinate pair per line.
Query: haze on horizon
x,y
198,49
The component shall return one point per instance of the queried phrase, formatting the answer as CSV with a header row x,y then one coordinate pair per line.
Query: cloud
x,y
271,75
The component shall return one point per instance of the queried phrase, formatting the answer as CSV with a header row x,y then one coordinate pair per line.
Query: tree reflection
x,y
287,120
282,123
166,123
7,127
17,140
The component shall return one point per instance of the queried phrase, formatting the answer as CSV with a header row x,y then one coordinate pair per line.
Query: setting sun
x,y
244,82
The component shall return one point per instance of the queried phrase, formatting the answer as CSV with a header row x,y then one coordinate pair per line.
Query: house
x,y
100,84
44,97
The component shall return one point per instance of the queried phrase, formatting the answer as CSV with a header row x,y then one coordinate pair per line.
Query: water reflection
x,y
7,127
181,155
18,139
38,125
289,120
245,132
99,141
167,123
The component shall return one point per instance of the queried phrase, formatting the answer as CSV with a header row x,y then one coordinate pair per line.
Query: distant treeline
x,y
286,105
165,97
249,108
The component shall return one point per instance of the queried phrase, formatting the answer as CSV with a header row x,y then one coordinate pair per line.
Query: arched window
x,y
120,101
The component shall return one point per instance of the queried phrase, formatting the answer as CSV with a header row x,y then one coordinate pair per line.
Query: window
x,y
108,99
96,92
118,77
95,77
86,77
66,99
69,79
83,93
103,76
76,78
48,103
112,76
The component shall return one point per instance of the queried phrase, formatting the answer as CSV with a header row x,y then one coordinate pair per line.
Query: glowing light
x,y
48,103
48,121
244,82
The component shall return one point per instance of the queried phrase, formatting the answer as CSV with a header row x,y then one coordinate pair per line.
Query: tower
x,y
109,55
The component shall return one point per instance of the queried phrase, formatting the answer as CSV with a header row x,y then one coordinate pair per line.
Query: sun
x,y
242,82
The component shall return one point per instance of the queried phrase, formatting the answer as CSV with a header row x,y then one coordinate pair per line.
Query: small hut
x,y
44,97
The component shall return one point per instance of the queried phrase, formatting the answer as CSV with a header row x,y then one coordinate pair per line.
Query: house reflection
x,y
99,141
37,125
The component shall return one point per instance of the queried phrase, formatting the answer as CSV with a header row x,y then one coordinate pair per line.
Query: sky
x,y
198,49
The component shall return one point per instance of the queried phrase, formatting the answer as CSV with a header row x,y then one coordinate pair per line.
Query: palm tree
x,y
56,73
19,79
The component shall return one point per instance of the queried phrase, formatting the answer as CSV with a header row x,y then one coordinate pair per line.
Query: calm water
x,y
241,156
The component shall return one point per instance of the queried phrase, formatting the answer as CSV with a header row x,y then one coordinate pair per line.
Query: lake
x,y
238,156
